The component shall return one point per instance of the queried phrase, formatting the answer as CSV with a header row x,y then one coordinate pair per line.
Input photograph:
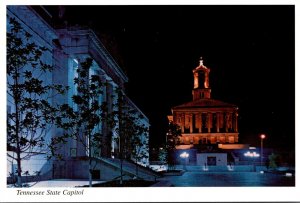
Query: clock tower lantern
x,y
201,82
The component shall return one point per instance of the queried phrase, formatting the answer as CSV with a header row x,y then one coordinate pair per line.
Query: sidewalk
x,y
163,183
59,183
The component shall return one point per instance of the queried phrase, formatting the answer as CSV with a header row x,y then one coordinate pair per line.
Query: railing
x,y
145,173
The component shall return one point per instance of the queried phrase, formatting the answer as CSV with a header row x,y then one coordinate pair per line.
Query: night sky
x,y
249,49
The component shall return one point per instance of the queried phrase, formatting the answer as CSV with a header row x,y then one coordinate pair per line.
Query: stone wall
x,y
216,159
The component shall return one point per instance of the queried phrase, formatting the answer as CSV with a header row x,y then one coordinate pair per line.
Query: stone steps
x,y
244,168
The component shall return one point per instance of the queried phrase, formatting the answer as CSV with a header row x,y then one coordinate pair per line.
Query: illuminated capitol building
x,y
205,121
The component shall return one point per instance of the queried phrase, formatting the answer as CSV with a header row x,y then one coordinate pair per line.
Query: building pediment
x,y
204,103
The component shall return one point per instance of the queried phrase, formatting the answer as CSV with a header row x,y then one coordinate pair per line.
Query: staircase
x,y
130,168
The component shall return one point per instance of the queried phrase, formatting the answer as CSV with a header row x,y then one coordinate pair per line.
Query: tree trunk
x,y
90,162
18,147
19,177
18,150
136,168
90,173
121,179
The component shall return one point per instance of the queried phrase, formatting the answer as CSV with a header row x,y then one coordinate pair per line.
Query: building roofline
x,y
22,10
44,21
137,108
108,56
96,45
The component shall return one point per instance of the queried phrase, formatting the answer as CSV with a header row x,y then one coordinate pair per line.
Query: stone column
x,y
231,120
196,120
191,123
182,122
236,122
205,124
221,120
186,120
200,122
226,122
206,82
196,81
218,122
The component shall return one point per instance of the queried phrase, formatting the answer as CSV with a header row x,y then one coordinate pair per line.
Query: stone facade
x,y
205,120
66,49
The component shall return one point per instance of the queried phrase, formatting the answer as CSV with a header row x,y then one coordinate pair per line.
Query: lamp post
x,y
262,137
184,155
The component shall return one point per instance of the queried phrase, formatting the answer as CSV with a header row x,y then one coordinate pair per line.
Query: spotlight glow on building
x,y
184,155
251,154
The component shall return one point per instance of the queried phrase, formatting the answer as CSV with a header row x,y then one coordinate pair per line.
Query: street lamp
x,y
262,137
184,155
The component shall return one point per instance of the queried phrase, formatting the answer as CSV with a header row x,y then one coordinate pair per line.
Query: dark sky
x,y
249,49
